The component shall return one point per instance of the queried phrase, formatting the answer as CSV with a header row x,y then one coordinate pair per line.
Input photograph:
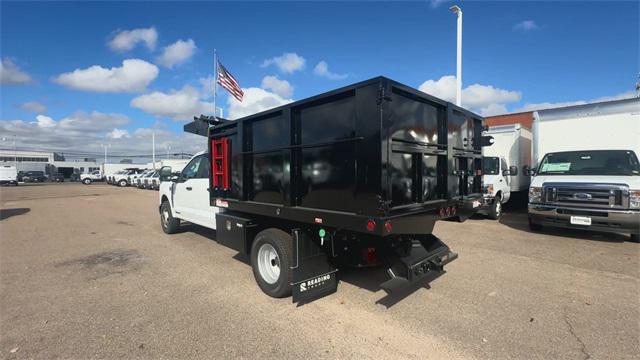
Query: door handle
x,y
189,188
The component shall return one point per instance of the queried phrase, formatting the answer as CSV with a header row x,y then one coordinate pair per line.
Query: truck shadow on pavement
x,y
370,279
7,213
364,278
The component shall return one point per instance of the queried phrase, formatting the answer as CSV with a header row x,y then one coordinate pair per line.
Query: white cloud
x,y
526,25
11,74
280,87
207,86
484,99
177,53
178,105
45,121
133,76
124,40
118,134
551,105
322,69
288,63
84,132
254,100
436,3
33,106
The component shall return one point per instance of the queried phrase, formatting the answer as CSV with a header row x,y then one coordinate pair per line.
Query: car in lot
x,y
125,177
34,176
139,182
153,181
88,178
56,177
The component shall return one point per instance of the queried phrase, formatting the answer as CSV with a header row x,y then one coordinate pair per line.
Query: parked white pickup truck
x,y
187,197
91,177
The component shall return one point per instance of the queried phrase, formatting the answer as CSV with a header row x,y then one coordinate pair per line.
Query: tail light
x,y
448,211
443,212
371,255
388,226
371,225
453,211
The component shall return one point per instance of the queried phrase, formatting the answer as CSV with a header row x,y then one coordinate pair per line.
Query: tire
x,y
170,225
496,209
533,226
86,181
634,238
122,183
273,274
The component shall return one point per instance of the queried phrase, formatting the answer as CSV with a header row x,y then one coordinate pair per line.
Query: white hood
x,y
632,181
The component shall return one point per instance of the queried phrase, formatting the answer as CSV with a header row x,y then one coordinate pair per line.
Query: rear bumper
x,y
617,221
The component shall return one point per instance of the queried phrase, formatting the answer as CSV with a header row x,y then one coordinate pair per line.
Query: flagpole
x,y
215,82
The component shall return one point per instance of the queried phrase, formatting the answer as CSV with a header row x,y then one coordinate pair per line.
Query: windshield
x,y
597,162
490,165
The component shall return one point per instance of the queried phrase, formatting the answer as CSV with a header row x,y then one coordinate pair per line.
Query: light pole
x,y
105,146
456,10
153,150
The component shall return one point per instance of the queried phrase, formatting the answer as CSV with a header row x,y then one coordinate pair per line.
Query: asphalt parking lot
x,y
86,272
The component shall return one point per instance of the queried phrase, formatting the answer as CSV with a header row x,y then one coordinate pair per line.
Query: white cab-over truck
x,y
505,165
587,174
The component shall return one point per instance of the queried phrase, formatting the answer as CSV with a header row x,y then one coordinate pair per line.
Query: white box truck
x,y
587,174
8,175
505,165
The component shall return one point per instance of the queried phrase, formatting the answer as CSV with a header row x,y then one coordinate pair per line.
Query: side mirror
x,y
487,141
165,174
529,171
513,170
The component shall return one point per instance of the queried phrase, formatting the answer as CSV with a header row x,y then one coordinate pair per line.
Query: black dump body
x,y
375,151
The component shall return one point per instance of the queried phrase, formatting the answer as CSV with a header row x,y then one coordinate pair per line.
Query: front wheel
x,y
122,183
170,225
496,209
271,262
86,181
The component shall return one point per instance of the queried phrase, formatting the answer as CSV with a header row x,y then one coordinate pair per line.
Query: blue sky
x,y
516,55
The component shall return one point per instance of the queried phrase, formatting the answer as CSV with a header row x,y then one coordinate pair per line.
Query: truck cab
x,y
88,178
497,190
590,189
504,165
126,177
187,194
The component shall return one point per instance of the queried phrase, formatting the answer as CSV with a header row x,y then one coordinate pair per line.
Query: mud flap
x,y
426,256
312,275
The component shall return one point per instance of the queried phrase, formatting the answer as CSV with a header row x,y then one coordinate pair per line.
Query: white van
x,y
8,175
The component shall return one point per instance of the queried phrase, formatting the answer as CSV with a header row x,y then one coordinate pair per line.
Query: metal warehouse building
x,y
49,162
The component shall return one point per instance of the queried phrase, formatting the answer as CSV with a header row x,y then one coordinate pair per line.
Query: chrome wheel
x,y
165,218
268,263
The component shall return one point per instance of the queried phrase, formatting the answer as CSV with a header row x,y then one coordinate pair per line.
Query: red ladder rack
x,y
220,163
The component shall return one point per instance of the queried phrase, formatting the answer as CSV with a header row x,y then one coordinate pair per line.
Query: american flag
x,y
227,81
